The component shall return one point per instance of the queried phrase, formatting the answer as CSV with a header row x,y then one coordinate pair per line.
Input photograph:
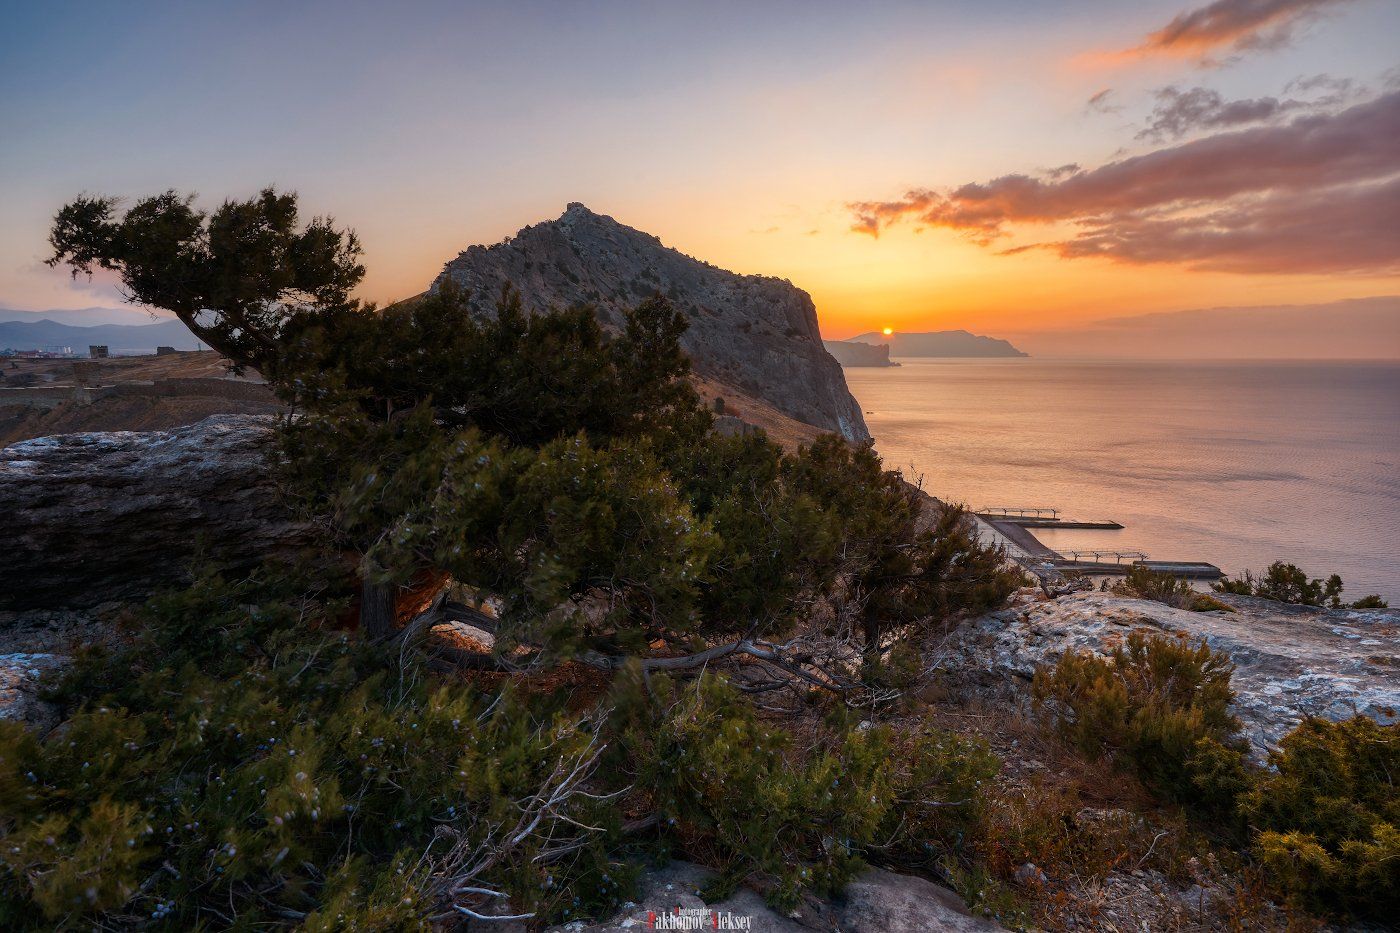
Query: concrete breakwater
x,y
1013,531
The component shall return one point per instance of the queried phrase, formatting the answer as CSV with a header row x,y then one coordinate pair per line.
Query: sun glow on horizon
x,y
888,331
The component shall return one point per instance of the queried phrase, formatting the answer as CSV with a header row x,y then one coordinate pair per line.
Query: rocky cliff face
x,y
753,333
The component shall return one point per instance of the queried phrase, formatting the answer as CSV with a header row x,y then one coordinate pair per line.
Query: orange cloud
x,y
1317,194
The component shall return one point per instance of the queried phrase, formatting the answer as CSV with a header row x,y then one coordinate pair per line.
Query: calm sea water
x,y
1235,463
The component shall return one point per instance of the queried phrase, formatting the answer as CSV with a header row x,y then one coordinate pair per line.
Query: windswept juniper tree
x,y
234,277
566,472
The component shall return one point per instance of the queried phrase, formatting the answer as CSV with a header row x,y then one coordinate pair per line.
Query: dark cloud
x,y
1102,102
1179,112
1238,24
1316,194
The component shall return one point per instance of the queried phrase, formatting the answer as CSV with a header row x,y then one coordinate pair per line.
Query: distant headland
x,y
875,349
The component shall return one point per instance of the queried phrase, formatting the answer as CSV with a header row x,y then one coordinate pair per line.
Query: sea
x,y
1238,463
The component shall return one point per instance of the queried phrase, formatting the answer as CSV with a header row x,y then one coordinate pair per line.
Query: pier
x,y
1043,517
1012,525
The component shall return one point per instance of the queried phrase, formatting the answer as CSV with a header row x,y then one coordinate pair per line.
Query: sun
x,y
888,331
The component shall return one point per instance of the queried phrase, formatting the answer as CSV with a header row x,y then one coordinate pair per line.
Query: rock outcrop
x,y
754,333
21,682
1290,661
859,354
875,902
92,518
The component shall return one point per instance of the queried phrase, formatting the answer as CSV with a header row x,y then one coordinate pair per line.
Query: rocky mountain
x,y
941,343
755,334
859,354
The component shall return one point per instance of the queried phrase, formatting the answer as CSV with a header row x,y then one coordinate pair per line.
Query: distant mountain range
x,y
940,343
87,317
27,333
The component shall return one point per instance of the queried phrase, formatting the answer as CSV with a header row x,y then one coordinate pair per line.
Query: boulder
x,y
21,681
876,901
92,518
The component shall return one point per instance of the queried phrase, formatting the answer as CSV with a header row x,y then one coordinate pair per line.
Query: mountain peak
x,y
754,333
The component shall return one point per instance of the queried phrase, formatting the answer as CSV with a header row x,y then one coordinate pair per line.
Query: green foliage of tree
x,y
1159,706
566,471
902,567
1328,817
234,277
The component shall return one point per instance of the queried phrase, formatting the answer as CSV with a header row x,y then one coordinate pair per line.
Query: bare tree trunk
x,y
378,604
873,632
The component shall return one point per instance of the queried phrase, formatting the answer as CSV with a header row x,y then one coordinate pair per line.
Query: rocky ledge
x,y
92,518
1290,661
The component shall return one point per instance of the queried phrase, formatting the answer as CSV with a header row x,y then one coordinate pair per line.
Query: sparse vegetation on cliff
x,y
1159,707
1321,824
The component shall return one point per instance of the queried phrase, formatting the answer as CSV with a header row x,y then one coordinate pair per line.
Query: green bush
x,y
1328,819
1159,707
237,767
1146,583
1285,583
738,794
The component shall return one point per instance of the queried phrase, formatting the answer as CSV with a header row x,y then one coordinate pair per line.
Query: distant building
x,y
97,351
164,351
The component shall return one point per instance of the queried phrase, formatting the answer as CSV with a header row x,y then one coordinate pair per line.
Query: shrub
x,y
736,793
730,788
1159,707
1145,583
1328,818
235,766
1374,601
1285,583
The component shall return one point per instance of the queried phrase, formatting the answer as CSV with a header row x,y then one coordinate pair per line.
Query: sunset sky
x,y
998,166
